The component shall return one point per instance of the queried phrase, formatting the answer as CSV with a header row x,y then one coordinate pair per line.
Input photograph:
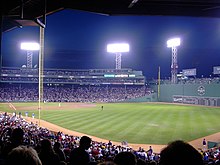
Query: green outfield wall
x,y
149,98
202,94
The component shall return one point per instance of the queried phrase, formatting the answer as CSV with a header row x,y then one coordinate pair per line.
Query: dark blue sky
x,y
77,40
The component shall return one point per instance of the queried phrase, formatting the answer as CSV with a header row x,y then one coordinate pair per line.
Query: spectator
x,y
59,151
23,155
79,156
149,153
204,144
125,158
17,137
152,162
141,162
180,153
15,140
47,154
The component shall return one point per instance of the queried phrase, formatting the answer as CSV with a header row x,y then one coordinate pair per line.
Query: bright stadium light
x,y
118,48
30,47
173,43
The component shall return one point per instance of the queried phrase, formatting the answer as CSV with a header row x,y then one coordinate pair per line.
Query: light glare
x,y
173,42
117,48
30,46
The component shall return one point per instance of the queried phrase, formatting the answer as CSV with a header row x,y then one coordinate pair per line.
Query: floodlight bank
x,y
173,42
117,48
30,46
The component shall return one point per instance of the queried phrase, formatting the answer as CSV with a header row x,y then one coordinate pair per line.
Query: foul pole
x,y
158,85
40,72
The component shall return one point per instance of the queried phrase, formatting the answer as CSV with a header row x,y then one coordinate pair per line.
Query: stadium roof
x,y
17,13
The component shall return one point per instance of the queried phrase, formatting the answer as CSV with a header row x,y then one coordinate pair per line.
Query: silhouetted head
x,y
17,136
125,158
46,145
23,155
57,145
85,142
181,153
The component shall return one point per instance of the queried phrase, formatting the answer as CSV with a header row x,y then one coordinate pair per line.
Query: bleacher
x,y
91,85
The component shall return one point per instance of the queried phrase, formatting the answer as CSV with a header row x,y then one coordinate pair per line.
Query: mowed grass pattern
x,y
143,123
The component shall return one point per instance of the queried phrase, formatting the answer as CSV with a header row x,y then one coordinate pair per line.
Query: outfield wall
x,y
148,98
201,94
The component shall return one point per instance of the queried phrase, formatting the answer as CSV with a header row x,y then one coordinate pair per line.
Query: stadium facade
x,y
80,76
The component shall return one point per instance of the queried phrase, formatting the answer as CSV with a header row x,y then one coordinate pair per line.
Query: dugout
x,y
213,144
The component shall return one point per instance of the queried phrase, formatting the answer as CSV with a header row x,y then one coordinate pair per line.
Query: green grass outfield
x,y
142,123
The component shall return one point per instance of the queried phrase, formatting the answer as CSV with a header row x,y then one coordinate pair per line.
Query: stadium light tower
x,y
30,47
174,43
118,48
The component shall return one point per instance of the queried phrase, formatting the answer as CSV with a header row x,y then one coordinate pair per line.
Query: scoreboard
x,y
216,70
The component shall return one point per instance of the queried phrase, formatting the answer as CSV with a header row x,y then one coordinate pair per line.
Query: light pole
x,y
118,48
30,47
173,43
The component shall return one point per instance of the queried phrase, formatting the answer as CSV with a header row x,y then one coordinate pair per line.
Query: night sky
x,y
78,40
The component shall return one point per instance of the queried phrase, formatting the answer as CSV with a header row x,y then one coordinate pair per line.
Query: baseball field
x,y
138,123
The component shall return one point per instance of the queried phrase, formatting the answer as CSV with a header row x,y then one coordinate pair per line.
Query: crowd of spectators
x,y
21,140
71,93
15,127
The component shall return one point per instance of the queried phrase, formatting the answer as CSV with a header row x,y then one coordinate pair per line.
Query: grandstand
x,y
62,85
82,77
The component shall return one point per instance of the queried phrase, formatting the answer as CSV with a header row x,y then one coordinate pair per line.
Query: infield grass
x,y
142,123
